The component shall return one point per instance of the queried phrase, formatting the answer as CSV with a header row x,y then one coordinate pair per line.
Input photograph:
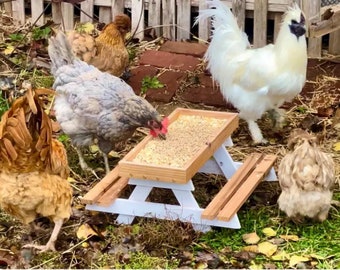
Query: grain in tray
x,y
185,137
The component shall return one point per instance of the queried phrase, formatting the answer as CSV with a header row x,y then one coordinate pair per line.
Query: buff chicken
x,y
34,167
257,80
94,106
307,177
107,52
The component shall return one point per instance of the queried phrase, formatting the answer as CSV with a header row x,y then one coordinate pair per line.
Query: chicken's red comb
x,y
163,130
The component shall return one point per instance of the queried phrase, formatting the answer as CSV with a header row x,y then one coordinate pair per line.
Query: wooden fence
x,y
173,18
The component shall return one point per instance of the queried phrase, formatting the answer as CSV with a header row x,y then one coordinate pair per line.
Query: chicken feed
x,y
185,137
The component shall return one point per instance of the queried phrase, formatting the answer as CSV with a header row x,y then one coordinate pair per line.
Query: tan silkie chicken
x,y
33,166
306,176
107,52
262,79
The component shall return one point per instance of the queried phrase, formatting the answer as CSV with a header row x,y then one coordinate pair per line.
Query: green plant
x,y
16,37
41,33
4,106
150,82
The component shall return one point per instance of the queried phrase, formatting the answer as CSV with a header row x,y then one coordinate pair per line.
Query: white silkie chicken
x,y
257,80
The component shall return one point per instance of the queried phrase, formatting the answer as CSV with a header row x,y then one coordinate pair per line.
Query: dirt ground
x,y
315,109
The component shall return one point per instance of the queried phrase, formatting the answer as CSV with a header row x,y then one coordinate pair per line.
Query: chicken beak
x,y
298,29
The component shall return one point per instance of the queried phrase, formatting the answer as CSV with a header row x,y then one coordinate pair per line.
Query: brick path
x,y
180,69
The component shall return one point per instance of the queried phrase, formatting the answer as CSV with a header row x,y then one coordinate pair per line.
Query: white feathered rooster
x,y
257,80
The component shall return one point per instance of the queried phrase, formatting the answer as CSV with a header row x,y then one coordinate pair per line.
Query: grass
x,y
321,240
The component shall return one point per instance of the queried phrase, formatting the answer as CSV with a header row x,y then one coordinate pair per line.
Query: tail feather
x,y
227,39
60,51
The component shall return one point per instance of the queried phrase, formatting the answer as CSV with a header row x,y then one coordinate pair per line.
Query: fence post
x,y
37,7
86,6
137,18
67,15
18,13
117,8
334,42
239,10
312,11
169,18
155,15
203,25
183,19
260,23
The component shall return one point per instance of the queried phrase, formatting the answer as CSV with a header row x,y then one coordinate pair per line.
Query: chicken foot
x,y
50,245
83,163
256,133
277,117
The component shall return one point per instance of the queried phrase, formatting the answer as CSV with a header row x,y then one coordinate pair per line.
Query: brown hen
x,y
33,166
107,52
306,176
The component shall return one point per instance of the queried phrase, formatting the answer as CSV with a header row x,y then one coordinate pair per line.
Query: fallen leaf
x,y
277,241
280,256
85,231
297,259
251,238
113,154
252,248
269,232
318,257
244,256
336,146
85,245
9,49
255,266
71,180
290,237
94,148
267,248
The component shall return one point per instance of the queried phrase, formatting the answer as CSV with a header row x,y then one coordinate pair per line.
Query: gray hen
x,y
92,105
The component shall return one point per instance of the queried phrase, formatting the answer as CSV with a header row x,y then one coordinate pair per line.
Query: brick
x,y
171,80
206,92
138,74
169,60
188,48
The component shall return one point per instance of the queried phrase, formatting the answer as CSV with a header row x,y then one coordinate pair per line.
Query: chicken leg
x,y
83,163
50,245
256,133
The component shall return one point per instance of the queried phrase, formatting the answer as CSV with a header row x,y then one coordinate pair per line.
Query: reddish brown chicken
x,y
33,166
107,52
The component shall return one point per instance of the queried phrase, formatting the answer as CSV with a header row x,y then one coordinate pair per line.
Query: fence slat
x,y
87,7
137,18
37,8
117,8
68,15
183,19
203,25
169,18
105,14
56,13
19,11
260,23
239,11
312,11
8,8
155,15
277,24
334,42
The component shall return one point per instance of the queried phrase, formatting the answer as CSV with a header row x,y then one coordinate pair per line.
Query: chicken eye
x,y
294,22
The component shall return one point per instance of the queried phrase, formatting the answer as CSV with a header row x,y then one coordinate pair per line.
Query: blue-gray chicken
x,y
94,106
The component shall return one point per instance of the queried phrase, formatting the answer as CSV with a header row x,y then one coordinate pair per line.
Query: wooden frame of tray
x,y
129,168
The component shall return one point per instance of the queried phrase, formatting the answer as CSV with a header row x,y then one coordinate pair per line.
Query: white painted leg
x,y
225,162
140,193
